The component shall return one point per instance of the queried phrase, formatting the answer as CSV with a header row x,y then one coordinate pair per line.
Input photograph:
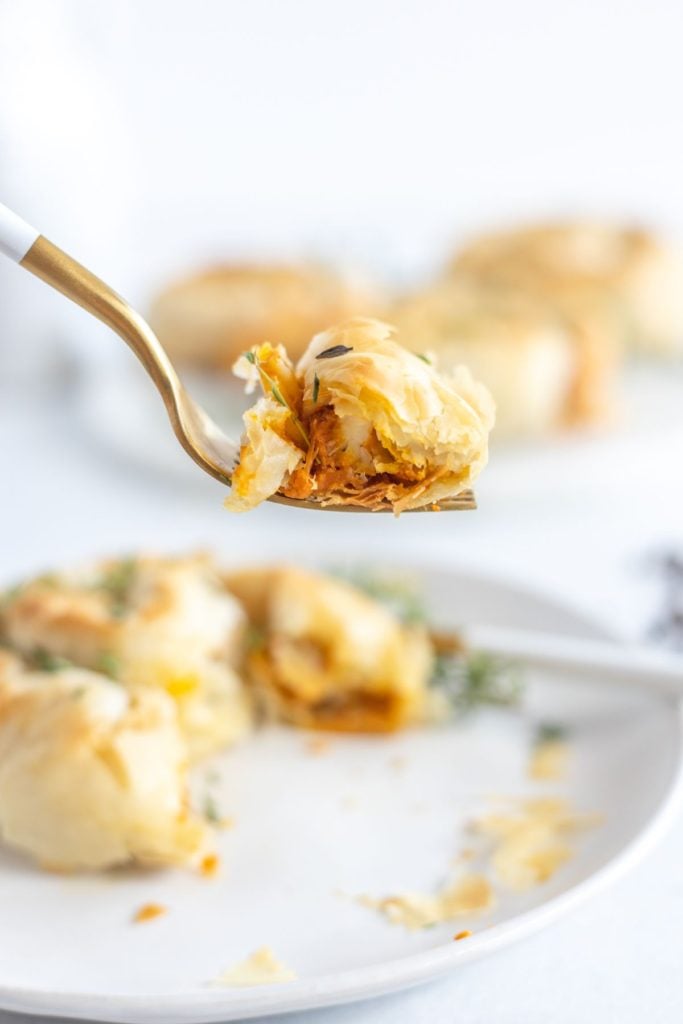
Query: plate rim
x,y
215,1005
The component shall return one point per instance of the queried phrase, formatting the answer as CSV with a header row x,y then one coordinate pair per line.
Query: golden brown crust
x,y
621,276
157,622
211,317
92,776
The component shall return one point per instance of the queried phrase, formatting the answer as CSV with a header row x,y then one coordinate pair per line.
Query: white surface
x,y
309,828
16,236
359,129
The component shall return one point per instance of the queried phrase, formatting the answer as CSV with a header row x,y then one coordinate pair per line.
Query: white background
x,y
143,136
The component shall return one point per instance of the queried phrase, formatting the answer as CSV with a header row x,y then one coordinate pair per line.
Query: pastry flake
x,y
261,967
468,896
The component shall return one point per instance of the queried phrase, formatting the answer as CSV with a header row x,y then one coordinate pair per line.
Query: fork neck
x,y
50,263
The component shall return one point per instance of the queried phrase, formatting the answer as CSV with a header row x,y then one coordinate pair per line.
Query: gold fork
x,y
201,438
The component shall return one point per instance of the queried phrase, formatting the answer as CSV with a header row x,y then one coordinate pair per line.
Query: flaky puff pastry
x,y
210,318
92,775
359,421
160,622
323,655
623,277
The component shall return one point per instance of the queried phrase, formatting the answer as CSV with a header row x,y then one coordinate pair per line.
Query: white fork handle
x,y
595,659
16,236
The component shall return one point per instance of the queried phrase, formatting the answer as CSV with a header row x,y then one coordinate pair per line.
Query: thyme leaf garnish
x,y
211,812
477,679
277,394
117,582
424,358
316,388
336,350
45,661
550,732
109,665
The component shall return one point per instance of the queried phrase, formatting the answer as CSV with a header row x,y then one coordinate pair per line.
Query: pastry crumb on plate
x,y
148,912
470,894
549,760
260,968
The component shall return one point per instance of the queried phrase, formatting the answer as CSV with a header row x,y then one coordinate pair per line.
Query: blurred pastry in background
x,y
92,775
359,421
545,371
209,318
621,275
156,622
324,655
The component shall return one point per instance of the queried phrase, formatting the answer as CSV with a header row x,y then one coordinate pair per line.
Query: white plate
x,y
309,828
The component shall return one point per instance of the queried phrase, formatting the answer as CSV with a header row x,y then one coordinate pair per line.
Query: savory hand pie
x,y
166,623
623,276
359,421
544,370
324,655
210,318
92,775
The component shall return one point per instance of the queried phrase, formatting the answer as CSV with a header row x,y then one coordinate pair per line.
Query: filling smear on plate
x,y
359,421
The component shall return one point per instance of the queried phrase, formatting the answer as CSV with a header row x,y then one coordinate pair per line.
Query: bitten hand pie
x,y
92,775
166,623
359,421
324,655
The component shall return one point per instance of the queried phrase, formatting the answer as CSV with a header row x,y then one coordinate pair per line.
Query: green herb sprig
x,y
476,679
118,581
109,665
211,812
550,732
277,394
46,661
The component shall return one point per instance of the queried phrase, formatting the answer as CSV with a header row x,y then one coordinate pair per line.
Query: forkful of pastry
x,y
359,424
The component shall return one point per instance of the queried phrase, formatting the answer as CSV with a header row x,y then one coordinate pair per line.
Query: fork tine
x,y
463,502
